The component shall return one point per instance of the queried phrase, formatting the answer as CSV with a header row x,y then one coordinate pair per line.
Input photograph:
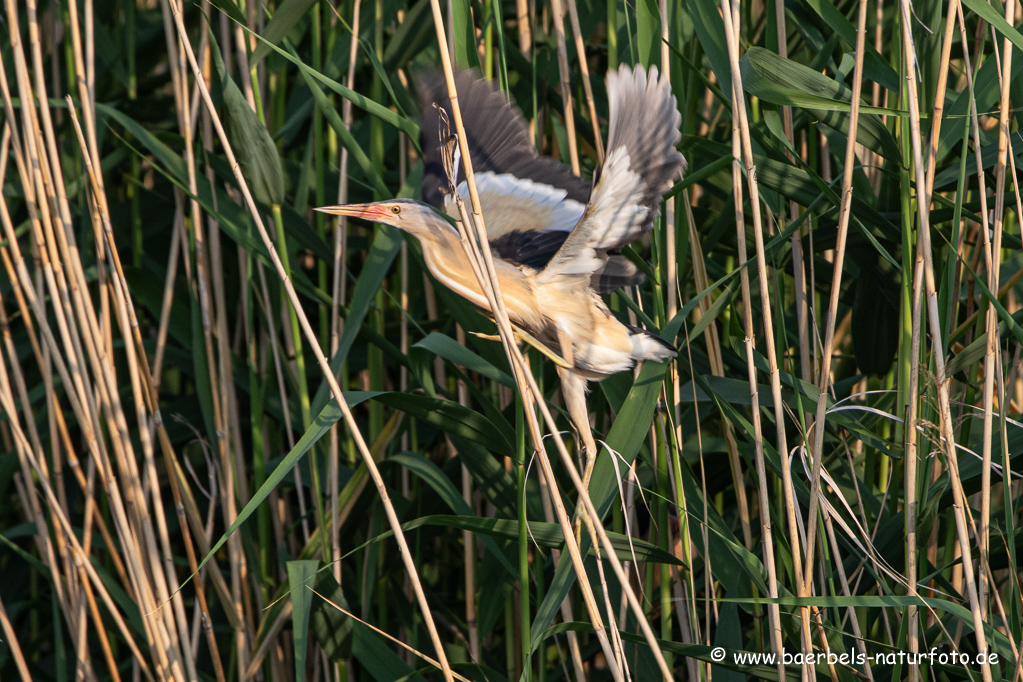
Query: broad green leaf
x,y
374,108
435,478
978,348
410,37
547,535
648,32
453,418
783,81
300,576
252,145
232,218
326,418
454,352
877,67
706,17
464,35
497,486
285,18
386,243
343,134
331,628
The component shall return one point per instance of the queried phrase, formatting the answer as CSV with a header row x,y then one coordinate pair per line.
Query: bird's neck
x,y
447,261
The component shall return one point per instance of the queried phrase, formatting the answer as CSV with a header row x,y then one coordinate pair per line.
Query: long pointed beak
x,y
373,212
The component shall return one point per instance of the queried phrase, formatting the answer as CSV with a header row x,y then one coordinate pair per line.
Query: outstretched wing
x,y
641,163
519,191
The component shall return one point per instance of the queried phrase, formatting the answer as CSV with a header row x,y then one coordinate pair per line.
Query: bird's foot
x,y
523,335
566,346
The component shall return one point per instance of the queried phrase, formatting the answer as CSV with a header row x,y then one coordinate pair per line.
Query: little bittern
x,y
555,240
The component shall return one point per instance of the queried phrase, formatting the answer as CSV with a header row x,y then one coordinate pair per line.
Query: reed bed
x,y
240,441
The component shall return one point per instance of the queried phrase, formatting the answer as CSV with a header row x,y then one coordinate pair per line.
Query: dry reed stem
x,y
267,640
13,645
138,368
491,287
558,13
731,34
492,291
925,264
738,104
845,212
339,285
843,580
171,589
392,516
910,483
689,634
522,24
146,373
468,543
798,266
584,69
992,360
186,122
717,368
75,309
25,450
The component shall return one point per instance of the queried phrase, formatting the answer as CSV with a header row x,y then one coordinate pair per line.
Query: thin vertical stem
x,y
558,13
741,149
824,379
926,265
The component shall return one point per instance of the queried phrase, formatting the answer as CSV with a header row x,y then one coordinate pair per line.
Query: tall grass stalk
x,y
157,389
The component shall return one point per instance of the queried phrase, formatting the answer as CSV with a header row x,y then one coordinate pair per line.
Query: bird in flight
x,y
555,237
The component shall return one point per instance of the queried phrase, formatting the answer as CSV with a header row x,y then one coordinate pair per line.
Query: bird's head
x,y
411,216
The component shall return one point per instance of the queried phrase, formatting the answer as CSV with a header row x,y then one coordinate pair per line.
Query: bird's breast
x,y
600,343
447,261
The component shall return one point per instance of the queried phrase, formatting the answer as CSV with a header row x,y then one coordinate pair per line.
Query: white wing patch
x,y
612,215
510,203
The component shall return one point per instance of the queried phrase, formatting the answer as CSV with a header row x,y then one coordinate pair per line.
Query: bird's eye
x,y
395,210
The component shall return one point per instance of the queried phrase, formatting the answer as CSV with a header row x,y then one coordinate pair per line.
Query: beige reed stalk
x,y
307,329
85,76
738,118
992,362
504,327
584,69
339,288
59,262
522,24
690,634
798,266
824,380
558,13
731,34
184,105
910,483
12,643
30,301
139,370
925,267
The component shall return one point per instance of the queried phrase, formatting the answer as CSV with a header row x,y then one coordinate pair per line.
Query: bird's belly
x,y
454,271
600,343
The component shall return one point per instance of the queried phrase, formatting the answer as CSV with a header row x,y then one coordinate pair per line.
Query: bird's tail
x,y
647,346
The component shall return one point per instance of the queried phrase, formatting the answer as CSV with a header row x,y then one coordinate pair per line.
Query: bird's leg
x,y
565,341
573,387
522,335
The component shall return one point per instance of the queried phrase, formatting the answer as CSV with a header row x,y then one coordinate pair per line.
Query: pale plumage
x,y
554,239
